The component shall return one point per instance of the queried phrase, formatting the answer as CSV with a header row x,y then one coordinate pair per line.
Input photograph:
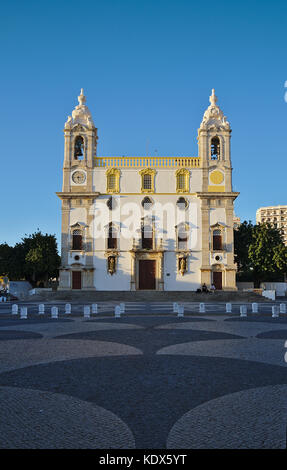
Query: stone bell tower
x,y
217,198
77,198
80,148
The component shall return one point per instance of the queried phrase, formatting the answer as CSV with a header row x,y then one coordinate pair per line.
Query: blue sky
x,y
147,69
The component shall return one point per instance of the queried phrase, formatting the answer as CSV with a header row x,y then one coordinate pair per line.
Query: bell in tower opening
x,y
79,148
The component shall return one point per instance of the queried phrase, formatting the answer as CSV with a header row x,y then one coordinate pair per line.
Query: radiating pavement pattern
x,y
143,381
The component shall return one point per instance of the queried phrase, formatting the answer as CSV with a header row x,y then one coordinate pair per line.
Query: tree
x,y
242,240
34,259
266,252
41,256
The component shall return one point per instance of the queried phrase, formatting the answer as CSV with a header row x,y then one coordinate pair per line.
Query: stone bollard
x,y
94,308
275,311
228,308
54,312
117,311
180,311
254,307
175,307
68,309
202,307
14,309
41,309
243,311
87,311
23,313
282,308
123,308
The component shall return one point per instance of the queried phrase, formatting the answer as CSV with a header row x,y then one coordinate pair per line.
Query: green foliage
x,y
260,252
34,259
242,239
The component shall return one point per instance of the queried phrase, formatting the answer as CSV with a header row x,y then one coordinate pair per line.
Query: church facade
x,y
147,223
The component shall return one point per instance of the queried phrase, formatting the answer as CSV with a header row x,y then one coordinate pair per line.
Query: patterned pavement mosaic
x,y
144,381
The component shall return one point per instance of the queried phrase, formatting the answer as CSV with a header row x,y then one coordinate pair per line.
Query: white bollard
x,y
87,311
94,308
14,309
243,311
68,309
41,309
254,307
180,311
175,307
202,307
117,311
282,308
23,313
275,311
228,308
123,308
54,312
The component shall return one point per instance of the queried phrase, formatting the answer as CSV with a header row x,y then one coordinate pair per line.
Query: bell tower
x,y
214,149
80,148
217,198
78,195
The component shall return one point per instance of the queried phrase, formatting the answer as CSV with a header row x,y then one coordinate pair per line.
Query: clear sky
x,y
147,69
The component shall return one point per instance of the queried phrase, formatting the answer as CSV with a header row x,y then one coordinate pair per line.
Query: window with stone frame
x,y
112,240
182,237
147,182
77,240
217,240
147,236
182,180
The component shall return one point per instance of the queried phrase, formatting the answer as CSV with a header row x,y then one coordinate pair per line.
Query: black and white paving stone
x,y
146,380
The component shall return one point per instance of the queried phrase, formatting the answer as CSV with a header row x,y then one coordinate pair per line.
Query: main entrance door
x,y
76,280
147,269
217,280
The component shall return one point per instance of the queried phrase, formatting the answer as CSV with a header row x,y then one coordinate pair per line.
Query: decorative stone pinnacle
x,y
82,98
213,98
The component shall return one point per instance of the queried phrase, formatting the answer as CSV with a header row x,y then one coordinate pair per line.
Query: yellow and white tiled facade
x,y
147,223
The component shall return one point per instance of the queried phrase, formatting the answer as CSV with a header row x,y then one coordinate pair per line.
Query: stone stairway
x,y
149,296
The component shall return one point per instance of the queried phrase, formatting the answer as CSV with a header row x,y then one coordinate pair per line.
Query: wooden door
x,y
147,270
76,280
217,280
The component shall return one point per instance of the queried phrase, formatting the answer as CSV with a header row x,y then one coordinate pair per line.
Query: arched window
x,y
215,148
147,236
79,148
113,180
147,180
112,242
182,203
217,240
182,237
77,240
182,180
147,203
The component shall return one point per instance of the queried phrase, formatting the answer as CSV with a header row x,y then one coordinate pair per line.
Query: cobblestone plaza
x,y
147,380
